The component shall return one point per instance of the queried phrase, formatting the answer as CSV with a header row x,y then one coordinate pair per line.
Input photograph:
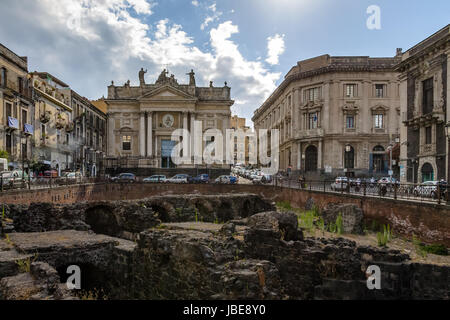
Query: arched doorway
x,y
311,158
427,172
349,158
378,161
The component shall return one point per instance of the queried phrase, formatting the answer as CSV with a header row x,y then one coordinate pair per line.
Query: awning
x,y
45,162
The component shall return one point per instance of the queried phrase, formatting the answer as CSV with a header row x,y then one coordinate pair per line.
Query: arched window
x,y
427,172
378,149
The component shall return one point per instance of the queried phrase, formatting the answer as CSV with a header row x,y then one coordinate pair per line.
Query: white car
x,y
224,179
340,184
178,178
427,189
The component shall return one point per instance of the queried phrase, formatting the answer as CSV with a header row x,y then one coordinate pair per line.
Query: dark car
x,y
201,178
124,178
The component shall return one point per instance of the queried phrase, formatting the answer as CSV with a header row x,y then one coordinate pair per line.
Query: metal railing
x,y
436,193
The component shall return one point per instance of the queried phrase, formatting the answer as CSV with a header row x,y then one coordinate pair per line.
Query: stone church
x,y
142,118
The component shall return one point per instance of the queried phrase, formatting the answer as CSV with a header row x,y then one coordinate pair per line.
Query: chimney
x,y
399,52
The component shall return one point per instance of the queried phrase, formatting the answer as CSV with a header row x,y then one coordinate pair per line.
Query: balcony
x,y
70,126
28,129
60,123
45,117
13,123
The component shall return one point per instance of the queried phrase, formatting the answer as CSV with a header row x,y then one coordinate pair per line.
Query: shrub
x,y
384,237
284,205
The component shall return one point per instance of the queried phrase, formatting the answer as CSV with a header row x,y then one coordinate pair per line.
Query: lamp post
x,y
390,161
447,134
348,148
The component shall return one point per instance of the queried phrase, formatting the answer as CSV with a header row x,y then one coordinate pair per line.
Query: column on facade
x,y
185,127
111,136
142,136
149,133
192,135
319,155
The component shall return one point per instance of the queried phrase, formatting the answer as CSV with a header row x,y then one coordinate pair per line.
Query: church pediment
x,y
167,92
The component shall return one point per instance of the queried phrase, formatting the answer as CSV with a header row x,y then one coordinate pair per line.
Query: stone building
x,y
237,123
88,134
424,90
17,109
53,116
142,118
336,115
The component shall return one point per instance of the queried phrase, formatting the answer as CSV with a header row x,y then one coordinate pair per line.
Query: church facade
x,y
141,119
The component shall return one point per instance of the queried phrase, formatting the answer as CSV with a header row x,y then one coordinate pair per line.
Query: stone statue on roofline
x,y
141,77
191,78
162,77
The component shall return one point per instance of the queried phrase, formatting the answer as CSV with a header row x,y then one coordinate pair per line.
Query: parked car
x,y
340,183
157,178
430,189
178,178
223,179
50,174
388,181
69,178
13,179
201,178
124,178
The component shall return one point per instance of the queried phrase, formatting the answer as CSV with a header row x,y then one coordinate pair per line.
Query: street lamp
x,y
447,134
390,147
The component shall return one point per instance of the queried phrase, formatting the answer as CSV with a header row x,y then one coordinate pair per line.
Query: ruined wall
x,y
430,222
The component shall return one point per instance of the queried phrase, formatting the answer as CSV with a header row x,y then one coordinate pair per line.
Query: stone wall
x,y
430,222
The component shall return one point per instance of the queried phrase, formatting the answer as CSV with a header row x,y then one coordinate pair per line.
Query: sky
x,y
250,44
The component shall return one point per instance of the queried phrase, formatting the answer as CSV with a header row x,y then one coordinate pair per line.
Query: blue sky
x,y
251,44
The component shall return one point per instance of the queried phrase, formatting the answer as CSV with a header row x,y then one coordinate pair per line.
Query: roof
x,y
46,75
100,104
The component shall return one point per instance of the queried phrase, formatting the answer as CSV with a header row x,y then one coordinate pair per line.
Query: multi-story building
x,y
237,123
336,115
52,145
88,134
141,118
425,111
17,109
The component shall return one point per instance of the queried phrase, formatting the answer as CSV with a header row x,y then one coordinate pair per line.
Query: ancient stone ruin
x,y
197,247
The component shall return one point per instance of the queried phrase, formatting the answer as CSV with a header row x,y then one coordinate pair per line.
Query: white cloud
x,y
211,18
195,3
107,43
275,48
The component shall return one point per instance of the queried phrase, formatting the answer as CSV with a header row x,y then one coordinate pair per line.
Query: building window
x,y
428,135
43,131
20,84
24,118
9,143
312,94
312,123
3,77
350,122
427,103
8,111
350,90
380,90
378,121
126,143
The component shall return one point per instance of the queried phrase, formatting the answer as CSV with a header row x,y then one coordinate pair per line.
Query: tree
x,y
4,154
